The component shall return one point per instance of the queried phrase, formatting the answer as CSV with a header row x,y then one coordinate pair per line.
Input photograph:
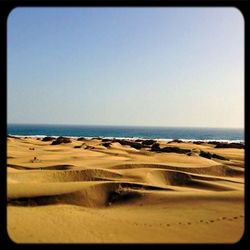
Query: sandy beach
x,y
117,191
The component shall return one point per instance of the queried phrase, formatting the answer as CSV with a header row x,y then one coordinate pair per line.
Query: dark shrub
x,y
209,156
205,154
55,142
148,142
198,142
135,145
219,157
48,138
123,142
214,142
60,140
81,139
175,150
156,147
139,140
106,140
106,144
230,145
132,144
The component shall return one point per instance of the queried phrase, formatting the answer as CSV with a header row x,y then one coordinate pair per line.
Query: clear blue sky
x,y
126,66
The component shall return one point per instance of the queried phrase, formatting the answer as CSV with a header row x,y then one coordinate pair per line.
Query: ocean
x,y
135,132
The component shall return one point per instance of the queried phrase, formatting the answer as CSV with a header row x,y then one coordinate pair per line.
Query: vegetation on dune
x,y
61,140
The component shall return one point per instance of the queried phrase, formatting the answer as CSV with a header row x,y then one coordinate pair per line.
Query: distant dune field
x,y
111,191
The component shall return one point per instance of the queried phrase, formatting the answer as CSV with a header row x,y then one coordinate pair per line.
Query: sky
x,y
126,66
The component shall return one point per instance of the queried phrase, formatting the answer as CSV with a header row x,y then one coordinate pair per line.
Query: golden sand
x,y
95,194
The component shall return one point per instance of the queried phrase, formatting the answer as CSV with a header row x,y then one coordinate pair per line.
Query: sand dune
x,y
84,192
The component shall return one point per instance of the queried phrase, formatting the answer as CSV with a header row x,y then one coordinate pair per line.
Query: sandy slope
x,y
58,193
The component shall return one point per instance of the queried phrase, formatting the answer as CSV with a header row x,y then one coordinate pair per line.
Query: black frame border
x,y
7,6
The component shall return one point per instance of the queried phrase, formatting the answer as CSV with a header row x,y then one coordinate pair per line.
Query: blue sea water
x,y
166,133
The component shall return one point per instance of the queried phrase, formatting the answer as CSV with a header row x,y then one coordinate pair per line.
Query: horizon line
x,y
108,125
